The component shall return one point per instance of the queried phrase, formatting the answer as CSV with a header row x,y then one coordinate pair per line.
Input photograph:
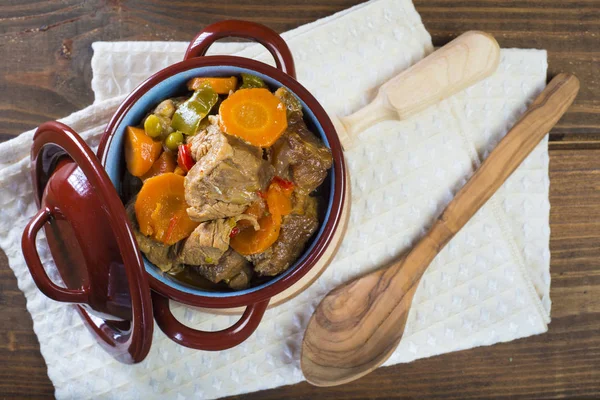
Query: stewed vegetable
x,y
254,115
140,151
188,115
160,209
219,85
174,140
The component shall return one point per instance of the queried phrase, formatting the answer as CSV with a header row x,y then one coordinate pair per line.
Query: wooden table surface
x,y
45,74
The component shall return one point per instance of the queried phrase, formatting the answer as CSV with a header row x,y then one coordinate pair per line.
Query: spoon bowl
x,y
361,329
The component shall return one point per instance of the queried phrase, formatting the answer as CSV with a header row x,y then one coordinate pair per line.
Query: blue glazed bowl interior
x,y
176,86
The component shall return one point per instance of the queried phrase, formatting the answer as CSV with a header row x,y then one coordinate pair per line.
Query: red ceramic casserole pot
x,y
91,240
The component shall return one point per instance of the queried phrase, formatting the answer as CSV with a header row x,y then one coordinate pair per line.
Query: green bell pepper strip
x,y
250,81
189,113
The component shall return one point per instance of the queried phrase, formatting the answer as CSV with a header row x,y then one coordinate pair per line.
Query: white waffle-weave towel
x,y
490,284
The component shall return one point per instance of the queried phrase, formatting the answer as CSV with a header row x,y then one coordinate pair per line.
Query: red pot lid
x,y
91,241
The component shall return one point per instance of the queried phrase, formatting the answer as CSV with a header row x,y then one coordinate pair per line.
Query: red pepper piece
x,y
284,184
234,232
184,157
172,223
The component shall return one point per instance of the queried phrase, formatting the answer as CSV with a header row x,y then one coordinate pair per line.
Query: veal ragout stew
x,y
221,185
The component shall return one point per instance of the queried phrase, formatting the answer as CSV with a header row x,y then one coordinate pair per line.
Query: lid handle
x,y
201,340
246,30
39,275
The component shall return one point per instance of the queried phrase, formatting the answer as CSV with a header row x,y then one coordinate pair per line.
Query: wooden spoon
x,y
469,58
357,326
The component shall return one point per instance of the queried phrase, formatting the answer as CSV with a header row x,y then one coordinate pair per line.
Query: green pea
x,y
153,126
174,140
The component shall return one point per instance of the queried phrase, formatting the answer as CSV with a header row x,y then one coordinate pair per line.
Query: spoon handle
x,y
518,143
469,58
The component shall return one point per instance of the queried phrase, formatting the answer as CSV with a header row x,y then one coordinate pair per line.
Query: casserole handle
x,y
246,30
33,262
201,340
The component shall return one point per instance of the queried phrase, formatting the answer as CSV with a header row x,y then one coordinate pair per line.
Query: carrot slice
x,y
279,198
219,85
140,151
163,164
254,115
249,241
160,209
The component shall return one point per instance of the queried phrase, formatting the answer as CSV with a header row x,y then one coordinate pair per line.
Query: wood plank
x,y
22,369
47,44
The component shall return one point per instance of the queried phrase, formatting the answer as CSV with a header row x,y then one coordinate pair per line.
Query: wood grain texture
x,y
358,325
45,74
46,45
470,58
455,66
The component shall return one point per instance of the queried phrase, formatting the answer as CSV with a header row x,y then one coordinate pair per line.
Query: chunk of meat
x,y
300,200
204,139
298,155
214,210
295,231
159,254
241,280
229,266
227,170
207,243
